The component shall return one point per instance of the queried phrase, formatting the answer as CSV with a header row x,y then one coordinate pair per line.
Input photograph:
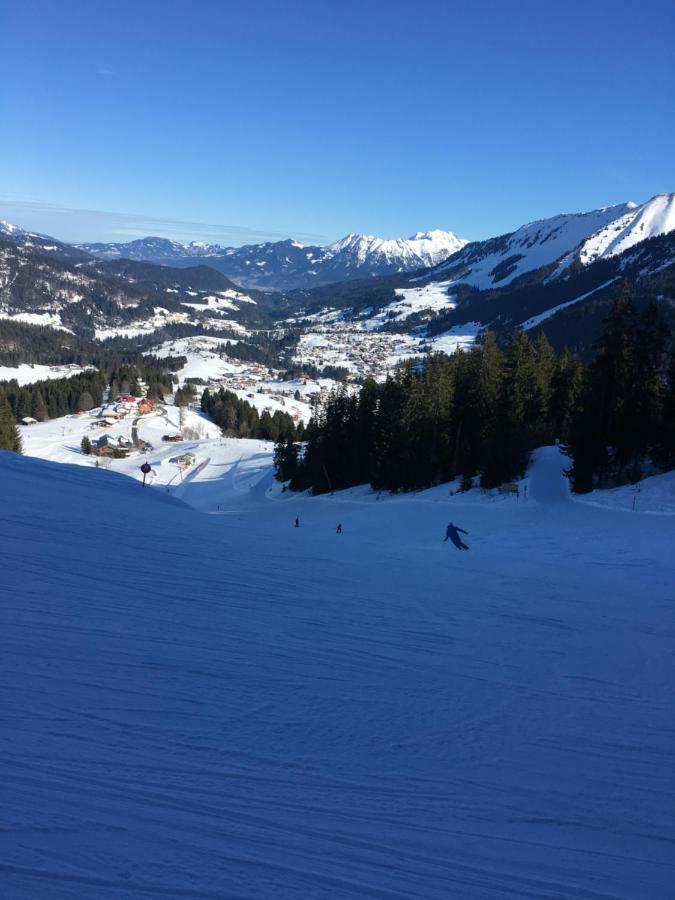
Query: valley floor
x,y
202,701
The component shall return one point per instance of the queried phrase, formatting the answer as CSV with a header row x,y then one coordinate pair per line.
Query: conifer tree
x,y
664,451
10,439
545,366
38,407
650,338
516,414
285,459
388,442
566,387
85,402
600,433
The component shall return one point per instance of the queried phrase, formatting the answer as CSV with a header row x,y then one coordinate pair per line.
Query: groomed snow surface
x,y
211,703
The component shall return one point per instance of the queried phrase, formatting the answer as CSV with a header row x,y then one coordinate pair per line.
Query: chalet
x,y
28,420
146,406
106,440
114,452
172,438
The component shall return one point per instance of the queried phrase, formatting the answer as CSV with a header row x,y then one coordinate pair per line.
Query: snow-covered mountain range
x,y
285,265
551,271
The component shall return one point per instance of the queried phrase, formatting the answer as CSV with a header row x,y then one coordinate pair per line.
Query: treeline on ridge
x,y
24,343
239,418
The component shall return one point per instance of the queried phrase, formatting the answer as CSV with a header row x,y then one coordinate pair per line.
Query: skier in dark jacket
x,y
452,533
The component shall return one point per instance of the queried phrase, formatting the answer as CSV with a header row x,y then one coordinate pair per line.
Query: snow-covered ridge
x,y
565,238
497,262
426,248
653,218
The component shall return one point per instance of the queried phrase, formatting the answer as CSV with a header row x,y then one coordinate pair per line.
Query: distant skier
x,y
452,533
297,522
339,529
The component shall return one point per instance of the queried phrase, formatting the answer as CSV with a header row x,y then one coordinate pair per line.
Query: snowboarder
x,y
297,522
452,533
339,529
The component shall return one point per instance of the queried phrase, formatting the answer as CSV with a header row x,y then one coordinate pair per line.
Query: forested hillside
x,y
479,414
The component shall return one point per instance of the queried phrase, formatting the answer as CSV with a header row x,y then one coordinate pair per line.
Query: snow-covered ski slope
x,y
224,706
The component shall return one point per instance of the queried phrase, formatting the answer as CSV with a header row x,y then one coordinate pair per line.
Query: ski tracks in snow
x,y
224,707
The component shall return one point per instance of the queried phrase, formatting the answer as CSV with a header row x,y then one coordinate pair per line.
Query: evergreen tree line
x,y
263,350
51,399
238,418
624,418
479,414
125,380
21,342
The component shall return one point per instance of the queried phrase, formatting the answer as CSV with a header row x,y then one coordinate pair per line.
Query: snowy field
x,y
430,298
210,703
30,373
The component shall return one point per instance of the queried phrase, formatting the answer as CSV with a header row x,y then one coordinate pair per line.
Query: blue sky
x,y
246,121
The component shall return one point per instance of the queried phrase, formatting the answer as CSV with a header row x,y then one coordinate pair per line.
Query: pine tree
x,y
650,339
85,402
388,438
85,446
39,407
365,429
601,431
664,451
516,415
285,459
484,378
540,413
566,388
10,439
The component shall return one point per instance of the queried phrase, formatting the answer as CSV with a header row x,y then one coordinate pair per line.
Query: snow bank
x,y
655,495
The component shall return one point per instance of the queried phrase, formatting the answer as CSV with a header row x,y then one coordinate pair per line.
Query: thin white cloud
x,y
77,225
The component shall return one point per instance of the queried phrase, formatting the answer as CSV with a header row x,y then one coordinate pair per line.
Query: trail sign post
x,y
145,468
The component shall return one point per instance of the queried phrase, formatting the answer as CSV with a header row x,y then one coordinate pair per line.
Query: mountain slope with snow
x,y
224,706
48,246
499,261
652,219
